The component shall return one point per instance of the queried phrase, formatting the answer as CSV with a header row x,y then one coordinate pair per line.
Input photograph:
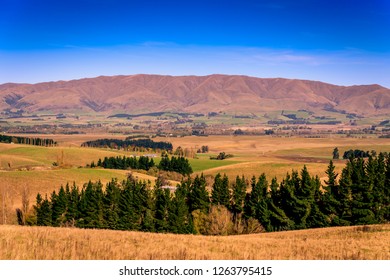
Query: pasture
x,y
46,243
31,167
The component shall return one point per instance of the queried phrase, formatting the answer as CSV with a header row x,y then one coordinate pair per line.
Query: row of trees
x,y
360,196
128,144
353,154
125,163
175,164
27,140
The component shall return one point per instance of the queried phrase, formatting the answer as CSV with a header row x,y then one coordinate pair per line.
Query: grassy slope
x,y
362,242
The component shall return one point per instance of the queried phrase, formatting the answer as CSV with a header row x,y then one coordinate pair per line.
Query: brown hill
x,y
155,93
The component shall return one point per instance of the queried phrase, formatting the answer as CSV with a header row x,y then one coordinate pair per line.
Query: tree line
x,y
142,162
27,140
175,164
128,144
354,153
360,196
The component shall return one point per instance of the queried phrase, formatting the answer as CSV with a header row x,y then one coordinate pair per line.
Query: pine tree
x,y
362,195
162,206
316,218
262,213
329,205
297,208
179,217
278,218
336,154
198,195
252,199
111,204
43,209
72,213
220,194
238,196
93,205
344,196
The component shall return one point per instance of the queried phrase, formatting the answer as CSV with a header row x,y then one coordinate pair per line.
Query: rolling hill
x,y
195,94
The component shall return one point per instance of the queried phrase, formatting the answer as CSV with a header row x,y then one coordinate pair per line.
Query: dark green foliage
x,y
180,219
198,195
238,195
222,156
361,196
329,203
125,163
27,140
162,206
43,210
356,154
220,194
336,153
128,143
111,205
176,164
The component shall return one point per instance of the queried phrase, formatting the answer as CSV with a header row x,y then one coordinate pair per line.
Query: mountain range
x,y
196,94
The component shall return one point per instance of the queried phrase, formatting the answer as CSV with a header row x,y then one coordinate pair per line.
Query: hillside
x,y
197,94
341,243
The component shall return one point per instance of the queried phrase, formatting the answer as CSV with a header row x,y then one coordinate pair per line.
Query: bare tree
x,y
25,202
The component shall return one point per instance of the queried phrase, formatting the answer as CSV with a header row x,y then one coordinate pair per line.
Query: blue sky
x,y
341,42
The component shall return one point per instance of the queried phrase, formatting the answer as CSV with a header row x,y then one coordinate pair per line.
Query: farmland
x,y
34,169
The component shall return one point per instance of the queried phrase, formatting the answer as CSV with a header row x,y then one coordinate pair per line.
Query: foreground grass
x,y
359,242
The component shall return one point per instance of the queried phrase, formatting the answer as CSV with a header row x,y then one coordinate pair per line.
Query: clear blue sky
x,y
342,42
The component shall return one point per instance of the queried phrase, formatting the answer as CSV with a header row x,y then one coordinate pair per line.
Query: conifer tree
x,y
362,195
329,205
278,218
43,210
162,206
238,196
111,204
72,213
198,195
262,213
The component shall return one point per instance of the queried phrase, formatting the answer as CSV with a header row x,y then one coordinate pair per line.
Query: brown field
x,y
343,243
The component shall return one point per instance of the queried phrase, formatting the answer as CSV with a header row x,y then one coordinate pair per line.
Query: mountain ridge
x,y
194,94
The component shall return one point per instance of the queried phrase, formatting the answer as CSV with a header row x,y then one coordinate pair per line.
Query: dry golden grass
x,y
359,242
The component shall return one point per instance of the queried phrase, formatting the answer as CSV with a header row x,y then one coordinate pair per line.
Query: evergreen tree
x,y
262,213
344,196
316,218
278,218
238,196
252,199
43,210
296,207
93,205
362,195
336,154
72,204
111,204
220,194
198,195
162,206
179,216
329,204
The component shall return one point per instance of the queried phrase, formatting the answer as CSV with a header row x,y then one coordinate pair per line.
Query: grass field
x,y
32,166
346,243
